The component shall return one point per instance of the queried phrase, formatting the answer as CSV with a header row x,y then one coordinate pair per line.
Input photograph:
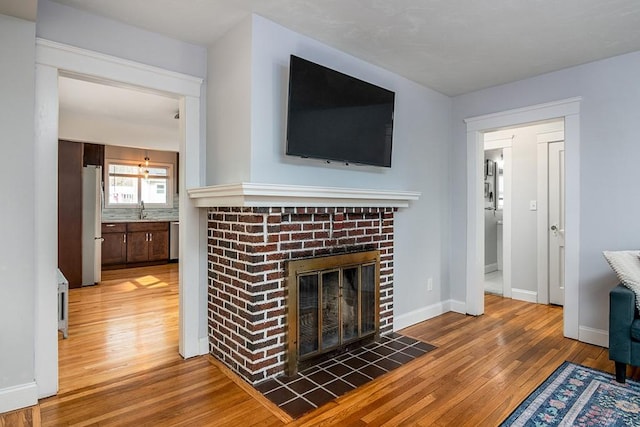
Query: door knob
x,y
554,228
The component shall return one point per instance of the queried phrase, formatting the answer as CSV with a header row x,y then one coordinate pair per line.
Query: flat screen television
x,y
333,116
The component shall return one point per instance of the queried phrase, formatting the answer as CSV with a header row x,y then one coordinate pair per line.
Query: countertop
x,y
120,221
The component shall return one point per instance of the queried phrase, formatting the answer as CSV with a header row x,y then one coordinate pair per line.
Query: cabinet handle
x,y
110,225
151,237
124,238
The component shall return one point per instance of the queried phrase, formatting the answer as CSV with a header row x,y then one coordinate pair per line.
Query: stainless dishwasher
x,y
174,245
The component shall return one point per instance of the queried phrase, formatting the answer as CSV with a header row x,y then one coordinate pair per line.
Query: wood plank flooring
x,y
120,366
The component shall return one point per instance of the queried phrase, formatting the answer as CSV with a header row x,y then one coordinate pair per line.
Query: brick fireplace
x,y
249,248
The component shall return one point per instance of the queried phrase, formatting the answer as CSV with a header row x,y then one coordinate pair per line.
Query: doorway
x,y
568,111
51,60
521,193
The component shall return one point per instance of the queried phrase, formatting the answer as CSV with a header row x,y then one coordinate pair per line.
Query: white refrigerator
x,y
91,225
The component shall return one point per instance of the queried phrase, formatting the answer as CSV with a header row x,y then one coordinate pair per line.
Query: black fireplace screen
x,y
335,306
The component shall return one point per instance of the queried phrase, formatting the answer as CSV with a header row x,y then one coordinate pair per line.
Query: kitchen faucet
x,y
142,214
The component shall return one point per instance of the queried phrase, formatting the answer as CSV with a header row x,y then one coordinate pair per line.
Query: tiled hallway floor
x,y
326,381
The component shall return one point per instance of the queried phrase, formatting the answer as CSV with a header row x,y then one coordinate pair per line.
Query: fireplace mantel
x,y
268,195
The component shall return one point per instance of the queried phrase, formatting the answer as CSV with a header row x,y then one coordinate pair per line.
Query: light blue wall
x,y
17,215
609,172
74,27
420,150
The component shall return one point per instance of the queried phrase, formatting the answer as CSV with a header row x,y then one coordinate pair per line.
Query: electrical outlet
x,y
430,284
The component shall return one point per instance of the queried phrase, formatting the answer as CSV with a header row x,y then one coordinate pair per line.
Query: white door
x,y
556,223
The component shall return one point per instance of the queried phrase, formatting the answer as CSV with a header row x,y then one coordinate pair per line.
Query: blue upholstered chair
x,y
624,330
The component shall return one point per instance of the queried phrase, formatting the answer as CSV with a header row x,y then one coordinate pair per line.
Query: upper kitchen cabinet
x,y
93,155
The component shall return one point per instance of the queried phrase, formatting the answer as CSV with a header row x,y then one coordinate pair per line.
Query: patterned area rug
x,y
575,395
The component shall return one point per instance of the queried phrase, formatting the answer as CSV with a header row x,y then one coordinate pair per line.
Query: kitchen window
x,y
128,184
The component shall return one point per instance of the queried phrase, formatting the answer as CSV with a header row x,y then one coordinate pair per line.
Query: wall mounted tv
x,y
333,116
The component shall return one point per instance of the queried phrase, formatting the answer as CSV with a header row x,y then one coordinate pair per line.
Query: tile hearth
x,y
326,381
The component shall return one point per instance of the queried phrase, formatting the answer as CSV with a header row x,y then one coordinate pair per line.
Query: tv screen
x,y
333,116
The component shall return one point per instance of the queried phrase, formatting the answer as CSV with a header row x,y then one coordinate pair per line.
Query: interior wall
x,y
17,216
229,107
608,154
419,158
74,27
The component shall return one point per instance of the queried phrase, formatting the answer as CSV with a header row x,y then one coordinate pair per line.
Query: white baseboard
x,y
458,306
20,396
593,336
425,313
203,346
524,295
490,268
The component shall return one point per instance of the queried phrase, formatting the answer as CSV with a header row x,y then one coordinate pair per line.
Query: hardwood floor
x,y
120,366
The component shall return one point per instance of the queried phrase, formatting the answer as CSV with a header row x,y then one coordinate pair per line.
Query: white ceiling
x,y
452,46
85,97
112,115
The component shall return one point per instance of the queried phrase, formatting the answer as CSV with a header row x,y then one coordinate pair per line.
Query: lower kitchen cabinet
x,y
114,244
147,241
131,243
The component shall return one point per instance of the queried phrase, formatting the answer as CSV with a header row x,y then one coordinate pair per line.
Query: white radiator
x,y
63,304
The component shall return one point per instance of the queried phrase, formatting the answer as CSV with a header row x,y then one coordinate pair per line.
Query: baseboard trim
x,y
19,396
490,268
203,346
524,295
593,336
425,313
458,306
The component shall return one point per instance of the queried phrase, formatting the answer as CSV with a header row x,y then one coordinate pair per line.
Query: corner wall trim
x,y
490,268
593,336
19,396
204,346
524,295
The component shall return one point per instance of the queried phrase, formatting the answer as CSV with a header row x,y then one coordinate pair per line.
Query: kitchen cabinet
x,y
147,242
70,211
93,154
128,243
114,244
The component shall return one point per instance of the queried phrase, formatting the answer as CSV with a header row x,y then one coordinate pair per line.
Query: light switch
x,y
533,205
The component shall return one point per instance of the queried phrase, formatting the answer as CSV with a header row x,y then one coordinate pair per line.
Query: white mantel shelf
x,y
276,195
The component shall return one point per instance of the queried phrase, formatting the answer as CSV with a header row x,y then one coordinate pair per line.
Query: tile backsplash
x,y
131,214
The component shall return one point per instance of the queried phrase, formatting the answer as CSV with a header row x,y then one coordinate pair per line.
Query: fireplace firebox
x,y
333,305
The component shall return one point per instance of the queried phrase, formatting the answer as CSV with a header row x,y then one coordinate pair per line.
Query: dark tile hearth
x,y
322,383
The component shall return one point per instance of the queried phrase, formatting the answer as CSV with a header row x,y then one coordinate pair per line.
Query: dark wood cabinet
x,y
114,244
147,241
72,156
159,246
70,211
93,154
130,243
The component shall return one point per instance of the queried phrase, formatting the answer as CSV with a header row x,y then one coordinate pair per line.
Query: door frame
x,y
51,59
569,110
